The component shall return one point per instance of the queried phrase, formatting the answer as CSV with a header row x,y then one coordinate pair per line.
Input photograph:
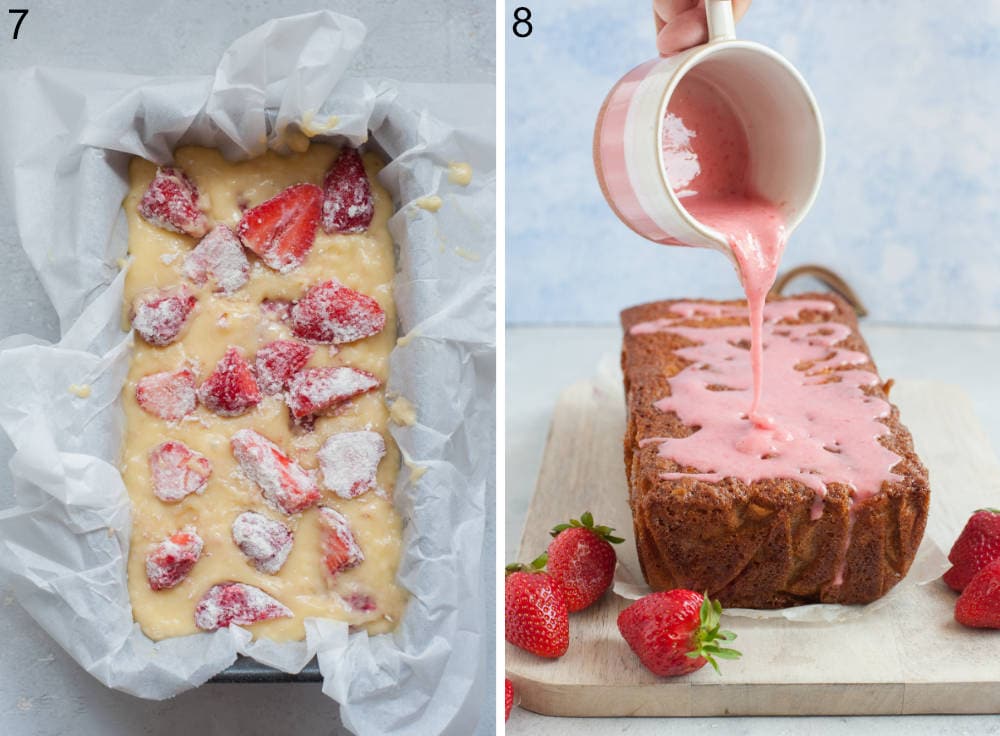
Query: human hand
x,y
681,24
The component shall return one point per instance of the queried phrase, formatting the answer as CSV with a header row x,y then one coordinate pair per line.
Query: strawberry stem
x,y
708,638
586,521
536,565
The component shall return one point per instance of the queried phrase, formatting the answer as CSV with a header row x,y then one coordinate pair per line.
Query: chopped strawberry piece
x,y
172,202
332,312
236,603
283,481
265,541
169,396
158,316
279,310
340,549
282,230
230,389
218,257
315,389
171,560
177,471
361,602
347,195
277,362
349,461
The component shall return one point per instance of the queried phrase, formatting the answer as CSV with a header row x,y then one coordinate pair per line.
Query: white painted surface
x,y
43,691
542,361
907,209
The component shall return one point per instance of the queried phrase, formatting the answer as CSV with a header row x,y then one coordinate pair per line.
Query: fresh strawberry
x,y
278,361
158,316
283,481
347,195
169,562
316,389
535,614
236,603
979,604
976,547
675,632
230,389
265,541
349,461
177,471
172,202
340,548
508,698
169,396
332,313
282,230
582,560
219,258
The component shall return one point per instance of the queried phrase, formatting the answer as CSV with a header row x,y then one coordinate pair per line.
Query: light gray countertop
x,y
542,361
42,690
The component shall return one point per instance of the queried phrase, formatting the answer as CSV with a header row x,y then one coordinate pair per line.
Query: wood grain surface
x,y
907,655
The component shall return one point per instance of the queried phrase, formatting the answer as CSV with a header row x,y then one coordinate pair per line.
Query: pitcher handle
x,y
721,26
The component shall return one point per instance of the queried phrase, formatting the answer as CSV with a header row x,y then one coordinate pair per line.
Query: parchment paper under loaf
x,y
63,164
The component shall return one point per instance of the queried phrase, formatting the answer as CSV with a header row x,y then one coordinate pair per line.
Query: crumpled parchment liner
x,y
928,564
63,548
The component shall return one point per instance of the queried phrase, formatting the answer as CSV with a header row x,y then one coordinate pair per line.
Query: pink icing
x,y
816,432
707,158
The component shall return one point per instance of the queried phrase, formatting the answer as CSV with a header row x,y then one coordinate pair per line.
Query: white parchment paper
x,y
63,548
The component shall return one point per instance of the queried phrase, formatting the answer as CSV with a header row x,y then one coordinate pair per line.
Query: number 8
x,y
522,27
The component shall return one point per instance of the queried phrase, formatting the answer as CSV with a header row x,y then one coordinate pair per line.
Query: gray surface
x,y
542,361
42,690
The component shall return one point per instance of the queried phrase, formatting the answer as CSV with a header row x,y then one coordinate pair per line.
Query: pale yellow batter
x,y
364,262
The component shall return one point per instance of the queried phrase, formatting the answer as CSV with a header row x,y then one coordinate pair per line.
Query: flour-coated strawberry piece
x,y
231,603
172,201
170,395
314,390
231,388
284,483
177,471
340,549
265,541
281,231
170,561
276,310
349,461
158,316
218,258
330,312
278,361
348,206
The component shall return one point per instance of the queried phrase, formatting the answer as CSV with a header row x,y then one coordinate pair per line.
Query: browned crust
x,y
755,546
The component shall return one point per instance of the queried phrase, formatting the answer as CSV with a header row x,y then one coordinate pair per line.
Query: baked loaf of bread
x,y
757,545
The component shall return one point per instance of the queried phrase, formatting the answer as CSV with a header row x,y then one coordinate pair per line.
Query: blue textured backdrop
x,y
909,210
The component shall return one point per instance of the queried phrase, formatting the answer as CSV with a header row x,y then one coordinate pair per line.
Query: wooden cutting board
x,y
906,656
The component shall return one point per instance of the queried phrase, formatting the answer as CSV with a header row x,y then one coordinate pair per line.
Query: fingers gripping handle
x,y
721,26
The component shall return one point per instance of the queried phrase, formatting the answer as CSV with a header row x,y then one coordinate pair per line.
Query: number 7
x,y
24,14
